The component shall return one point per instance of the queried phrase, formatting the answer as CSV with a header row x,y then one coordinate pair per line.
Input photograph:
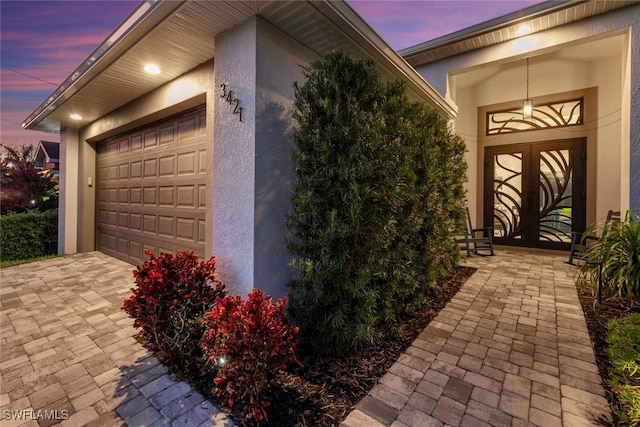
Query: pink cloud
x,y
18,136
46,40
12,81
56,57
20,109
56,43
16,108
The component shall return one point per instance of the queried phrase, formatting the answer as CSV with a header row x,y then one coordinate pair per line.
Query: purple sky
x,y
43,42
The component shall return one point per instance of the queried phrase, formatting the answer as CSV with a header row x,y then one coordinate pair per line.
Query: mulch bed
x,y
326,389
597,315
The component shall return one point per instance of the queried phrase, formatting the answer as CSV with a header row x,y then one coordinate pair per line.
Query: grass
x,y
614,346
5,264
624,352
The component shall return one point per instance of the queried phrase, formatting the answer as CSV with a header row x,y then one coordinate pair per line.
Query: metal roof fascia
x,y
125,36
374,42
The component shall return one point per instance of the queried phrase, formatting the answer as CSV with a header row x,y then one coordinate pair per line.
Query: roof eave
x,y
150,14
132,29
498,23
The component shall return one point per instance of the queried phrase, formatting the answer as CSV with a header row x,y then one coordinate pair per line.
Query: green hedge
x,y
28,235
623,338
377,198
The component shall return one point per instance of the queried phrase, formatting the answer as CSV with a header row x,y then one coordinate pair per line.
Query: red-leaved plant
x,y
171,295
247,342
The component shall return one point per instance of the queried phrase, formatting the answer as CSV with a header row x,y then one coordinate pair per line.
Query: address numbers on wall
x,y
227,95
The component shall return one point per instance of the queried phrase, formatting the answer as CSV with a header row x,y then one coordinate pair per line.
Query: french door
x,y
535,193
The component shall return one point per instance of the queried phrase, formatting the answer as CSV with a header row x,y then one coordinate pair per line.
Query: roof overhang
x,y
537,18
179,36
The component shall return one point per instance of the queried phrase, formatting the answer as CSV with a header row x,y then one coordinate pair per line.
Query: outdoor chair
x,y
476,240
579,245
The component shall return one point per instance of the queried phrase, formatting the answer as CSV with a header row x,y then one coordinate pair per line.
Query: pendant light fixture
x,y
527,106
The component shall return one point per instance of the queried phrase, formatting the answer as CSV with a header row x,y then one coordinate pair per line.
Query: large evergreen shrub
x,y
28,235
378,194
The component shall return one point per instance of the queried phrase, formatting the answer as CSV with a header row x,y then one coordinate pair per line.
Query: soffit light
x,y
75,116
523,29
152,69
527,106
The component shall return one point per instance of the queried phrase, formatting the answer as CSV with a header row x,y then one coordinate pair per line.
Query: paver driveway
x,y
68,353
510,349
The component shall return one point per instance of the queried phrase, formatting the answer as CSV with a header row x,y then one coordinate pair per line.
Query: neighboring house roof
x,y
50,149
113,74
539,17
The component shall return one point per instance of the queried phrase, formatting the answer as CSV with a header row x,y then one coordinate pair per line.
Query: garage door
x,y
151,189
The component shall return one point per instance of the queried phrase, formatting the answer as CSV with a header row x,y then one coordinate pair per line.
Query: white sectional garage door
x,y
151,189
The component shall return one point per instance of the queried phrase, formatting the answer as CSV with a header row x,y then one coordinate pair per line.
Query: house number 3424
x,y
227,95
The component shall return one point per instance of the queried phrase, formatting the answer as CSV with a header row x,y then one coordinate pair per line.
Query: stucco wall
x,y
632,111
184,92
279,62
606,76
466,125
68,199
618,172
234,154
252,169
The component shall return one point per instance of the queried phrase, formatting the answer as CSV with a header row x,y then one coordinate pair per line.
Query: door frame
x,y
530,188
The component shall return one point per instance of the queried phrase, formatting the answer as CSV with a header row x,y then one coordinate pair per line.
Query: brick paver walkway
x,y
67,351
510,349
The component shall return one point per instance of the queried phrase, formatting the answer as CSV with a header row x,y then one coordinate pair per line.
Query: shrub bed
x,y
623,339
598,316
190,324
247,346
248,342
171,295
28,235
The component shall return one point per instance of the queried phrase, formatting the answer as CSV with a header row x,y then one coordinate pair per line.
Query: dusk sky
x,y
43,42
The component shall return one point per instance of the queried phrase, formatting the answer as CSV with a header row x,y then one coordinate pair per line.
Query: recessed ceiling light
x,y
152,69
76,116
523,29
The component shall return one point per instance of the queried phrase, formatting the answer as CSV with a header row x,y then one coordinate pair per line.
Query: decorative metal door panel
x,y
535,193
508,194
555,195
